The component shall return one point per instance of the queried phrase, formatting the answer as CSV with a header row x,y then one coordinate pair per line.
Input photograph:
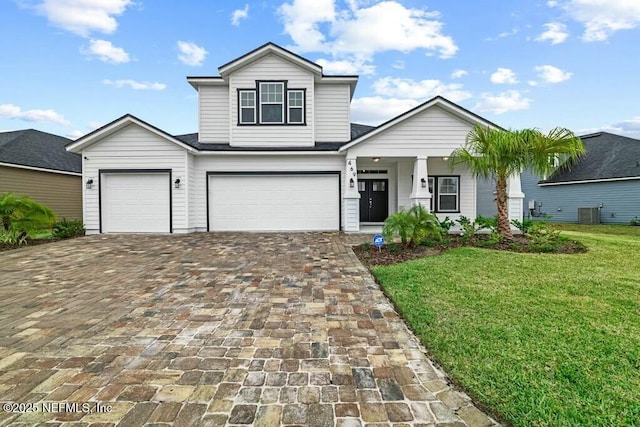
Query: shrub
x,y
469,228
446,224
13,237
634,221
65,229
413,226
485,222
23,213
523,225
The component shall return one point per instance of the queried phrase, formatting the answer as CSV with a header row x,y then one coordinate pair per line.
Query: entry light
x,y
89,184
423,182
176,183
351,183
445,158
376,159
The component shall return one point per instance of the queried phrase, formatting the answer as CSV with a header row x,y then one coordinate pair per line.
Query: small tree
x,y
413,226
23,213
501,153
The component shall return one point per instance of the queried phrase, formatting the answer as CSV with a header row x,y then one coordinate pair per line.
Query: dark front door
x,y
374,199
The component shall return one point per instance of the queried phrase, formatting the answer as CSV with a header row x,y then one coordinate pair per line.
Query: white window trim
x,y
240,92
272,103
301,107
457,193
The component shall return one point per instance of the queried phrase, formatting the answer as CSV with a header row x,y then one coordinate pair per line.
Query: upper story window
x,y
296,106
271,103
247,103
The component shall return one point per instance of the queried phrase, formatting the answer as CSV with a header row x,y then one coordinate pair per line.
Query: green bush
x,y
485,222
634,221
413,226
65,229
22,213
13,237
523,225
469,228
446,224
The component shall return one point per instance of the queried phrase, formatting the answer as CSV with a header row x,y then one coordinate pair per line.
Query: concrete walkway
x,y
210,329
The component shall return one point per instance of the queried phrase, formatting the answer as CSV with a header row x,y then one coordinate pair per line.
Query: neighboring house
x,y
36,164
275,150
607,177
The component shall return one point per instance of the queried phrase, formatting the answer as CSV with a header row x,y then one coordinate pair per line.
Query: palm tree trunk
x,y
504,228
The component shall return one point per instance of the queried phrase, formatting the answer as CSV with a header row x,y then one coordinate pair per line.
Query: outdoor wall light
x,y
89,184
176,183
423,182
445,158
351,183
376,159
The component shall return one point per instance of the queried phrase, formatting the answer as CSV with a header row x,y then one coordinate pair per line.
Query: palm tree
x,y
23,213
499,153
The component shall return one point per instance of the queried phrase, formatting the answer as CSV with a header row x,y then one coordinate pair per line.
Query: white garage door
x,y
274,202
135,202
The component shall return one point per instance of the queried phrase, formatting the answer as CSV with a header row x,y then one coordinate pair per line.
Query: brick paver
x,y
210,329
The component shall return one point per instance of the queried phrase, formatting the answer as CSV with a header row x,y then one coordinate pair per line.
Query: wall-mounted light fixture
x,y
376,159
351,183
89,184
445,158
423,182
176,183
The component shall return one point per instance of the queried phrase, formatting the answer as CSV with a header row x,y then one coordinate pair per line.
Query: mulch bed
x,y
396,253
6,247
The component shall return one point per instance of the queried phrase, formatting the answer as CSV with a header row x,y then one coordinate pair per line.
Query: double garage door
x,y
140,202
274,202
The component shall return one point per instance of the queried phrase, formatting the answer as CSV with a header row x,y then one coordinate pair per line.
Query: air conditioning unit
x,y
588,215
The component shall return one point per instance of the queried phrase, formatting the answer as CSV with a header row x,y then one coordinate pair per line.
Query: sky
x,y
71,66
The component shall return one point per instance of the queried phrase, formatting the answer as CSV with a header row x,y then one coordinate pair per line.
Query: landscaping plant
x,y
413,226
499,154
65,229
22,213
469,228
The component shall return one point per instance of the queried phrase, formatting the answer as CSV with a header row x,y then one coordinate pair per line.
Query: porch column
x,y
515,197
351,196
420,188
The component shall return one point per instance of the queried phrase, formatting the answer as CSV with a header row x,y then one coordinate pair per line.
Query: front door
x,y
374,199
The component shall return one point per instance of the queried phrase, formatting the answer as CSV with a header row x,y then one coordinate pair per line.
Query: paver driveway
x,y
210,329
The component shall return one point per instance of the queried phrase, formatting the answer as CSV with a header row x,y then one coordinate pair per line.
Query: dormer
x,y
271,97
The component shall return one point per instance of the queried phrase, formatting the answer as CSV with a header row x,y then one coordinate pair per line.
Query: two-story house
x,y
276,150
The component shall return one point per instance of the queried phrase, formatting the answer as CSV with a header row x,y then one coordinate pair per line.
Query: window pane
x,y
362,186
247,99
295,98
271,92
247,115
447,203
379,185
448,185
271,113
295,115
430,181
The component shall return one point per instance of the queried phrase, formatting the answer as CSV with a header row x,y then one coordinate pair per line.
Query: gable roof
x,y
607,156
264,50
37,149
118,124
438,101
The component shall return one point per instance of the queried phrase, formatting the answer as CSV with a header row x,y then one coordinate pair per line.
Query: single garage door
x,y
274,202
135,202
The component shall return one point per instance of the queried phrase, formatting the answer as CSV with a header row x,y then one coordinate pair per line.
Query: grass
x,y
540,340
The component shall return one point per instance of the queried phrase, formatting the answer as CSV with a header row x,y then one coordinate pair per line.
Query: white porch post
x,y
515,197
420,188
351,196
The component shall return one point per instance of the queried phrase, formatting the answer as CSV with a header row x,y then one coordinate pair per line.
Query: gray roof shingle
x,y
39,149
606,156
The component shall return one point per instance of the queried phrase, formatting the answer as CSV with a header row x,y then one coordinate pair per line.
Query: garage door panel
x,y
274,202
135,203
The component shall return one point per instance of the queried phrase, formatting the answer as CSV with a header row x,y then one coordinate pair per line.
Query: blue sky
x,y
69,66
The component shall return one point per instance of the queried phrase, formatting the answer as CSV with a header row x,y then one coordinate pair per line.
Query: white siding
x,y
271,67
133,148
254,163
333,113
213,103
433,132
191,191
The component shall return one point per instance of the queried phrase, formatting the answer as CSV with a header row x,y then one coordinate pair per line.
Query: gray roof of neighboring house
x,y
191,139
39,149
606,156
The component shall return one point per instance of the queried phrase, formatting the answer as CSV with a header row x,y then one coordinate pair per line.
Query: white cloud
x,y
511,100
457,74
346,66
75,134
504,76
412,89
399,65
105,51
602,18
360,30
630,128
373,110
532,83
10,111
83,17
191,53
551,74
135,85
239,14
555,32
504,34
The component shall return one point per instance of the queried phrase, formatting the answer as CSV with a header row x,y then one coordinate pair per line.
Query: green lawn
x,y
540,339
